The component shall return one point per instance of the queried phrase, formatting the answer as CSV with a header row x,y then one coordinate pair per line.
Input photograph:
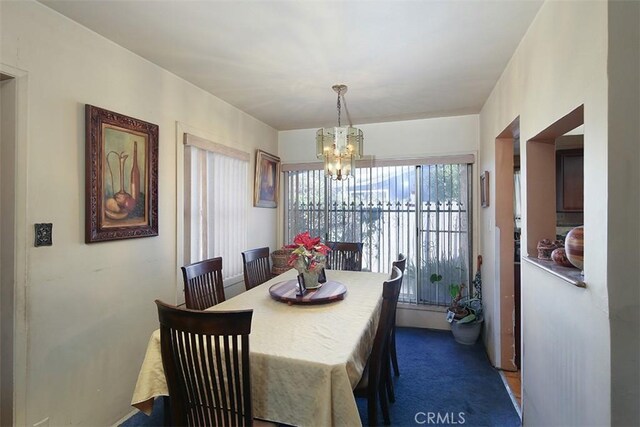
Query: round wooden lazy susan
x,y
288,292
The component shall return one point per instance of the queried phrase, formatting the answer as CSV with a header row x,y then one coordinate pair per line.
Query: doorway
x,y
508,222
8,95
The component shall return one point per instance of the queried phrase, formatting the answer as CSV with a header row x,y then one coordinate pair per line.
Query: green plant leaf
x,y
453,290
435,278
468,319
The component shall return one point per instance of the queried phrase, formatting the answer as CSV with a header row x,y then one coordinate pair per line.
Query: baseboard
x,y
125,418
514,401
417,316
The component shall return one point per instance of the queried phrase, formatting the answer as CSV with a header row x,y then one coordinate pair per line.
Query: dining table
x,y
306,358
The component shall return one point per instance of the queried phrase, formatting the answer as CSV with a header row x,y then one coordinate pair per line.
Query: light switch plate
x,y
44,234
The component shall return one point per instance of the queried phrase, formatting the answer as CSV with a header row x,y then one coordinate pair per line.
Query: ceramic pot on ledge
x,y
559,256
574,247
546,247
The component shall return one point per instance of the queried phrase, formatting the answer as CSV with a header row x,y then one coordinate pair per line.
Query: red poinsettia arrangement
x,y
308,253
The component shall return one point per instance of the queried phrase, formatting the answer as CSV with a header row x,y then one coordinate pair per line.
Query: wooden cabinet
x,y
570,180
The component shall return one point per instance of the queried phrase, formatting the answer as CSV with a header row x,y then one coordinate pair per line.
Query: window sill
x,y
230,283
570,275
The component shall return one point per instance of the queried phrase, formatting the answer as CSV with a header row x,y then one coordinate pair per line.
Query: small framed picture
x,y
484,189
267,180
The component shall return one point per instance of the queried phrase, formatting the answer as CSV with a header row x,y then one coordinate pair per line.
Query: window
x,y
419,210
216,205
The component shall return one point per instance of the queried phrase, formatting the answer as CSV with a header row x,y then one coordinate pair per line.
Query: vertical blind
x,y
421,211
216,207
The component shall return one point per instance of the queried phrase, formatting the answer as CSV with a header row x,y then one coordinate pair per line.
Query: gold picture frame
x,y
267,180
121,166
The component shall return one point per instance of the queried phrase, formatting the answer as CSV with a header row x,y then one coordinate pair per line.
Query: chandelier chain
x,y
339,108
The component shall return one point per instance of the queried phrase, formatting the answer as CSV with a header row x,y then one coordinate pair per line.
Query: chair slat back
x,y
401,263
203,287
390,294
205,355
257,268
345,256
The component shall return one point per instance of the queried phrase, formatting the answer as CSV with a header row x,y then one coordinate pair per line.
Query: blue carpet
x,y
156,419
445,382
441,382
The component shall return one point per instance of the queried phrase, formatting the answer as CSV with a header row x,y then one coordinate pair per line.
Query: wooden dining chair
x,y
372,385
345,256
205,356
203,287
257,268
400,263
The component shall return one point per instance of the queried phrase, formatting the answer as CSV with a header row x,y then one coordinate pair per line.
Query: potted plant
x,y
464,313
309,257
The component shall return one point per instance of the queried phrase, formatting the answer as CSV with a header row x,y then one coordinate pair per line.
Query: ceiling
x,y
277,60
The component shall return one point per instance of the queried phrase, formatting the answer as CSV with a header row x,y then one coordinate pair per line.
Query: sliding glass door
x,y
420,211
444,224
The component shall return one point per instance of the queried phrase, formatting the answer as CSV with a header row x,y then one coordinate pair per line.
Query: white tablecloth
x,y
305,360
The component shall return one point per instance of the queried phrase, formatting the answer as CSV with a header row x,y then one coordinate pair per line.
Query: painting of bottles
x,y
124,180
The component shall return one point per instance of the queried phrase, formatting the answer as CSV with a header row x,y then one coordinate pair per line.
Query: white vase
x,y
466,333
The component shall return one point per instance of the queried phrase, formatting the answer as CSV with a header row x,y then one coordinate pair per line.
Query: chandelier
x,y
339,146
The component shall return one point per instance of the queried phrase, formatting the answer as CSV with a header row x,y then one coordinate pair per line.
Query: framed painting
x,y
267,181
121,171
484,189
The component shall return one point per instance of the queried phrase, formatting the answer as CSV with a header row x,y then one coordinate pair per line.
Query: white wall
x,y
560,64
90,308
393,140
7,248
623,258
